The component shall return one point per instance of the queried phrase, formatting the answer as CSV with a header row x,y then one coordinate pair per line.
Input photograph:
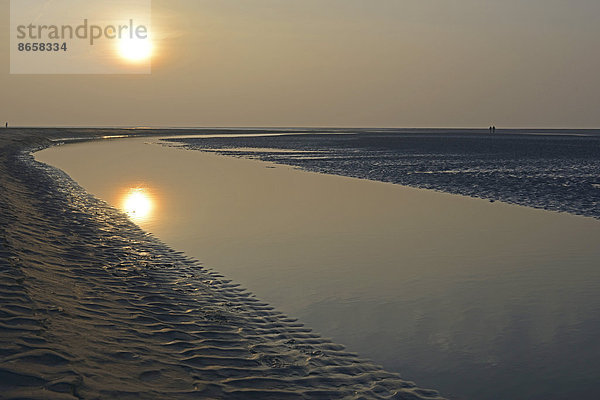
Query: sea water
x,y
479,300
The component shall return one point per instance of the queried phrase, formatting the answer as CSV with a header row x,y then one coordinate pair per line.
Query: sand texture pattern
x,y
92,307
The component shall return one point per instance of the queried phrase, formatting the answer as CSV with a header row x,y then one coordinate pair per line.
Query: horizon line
x,y
138,127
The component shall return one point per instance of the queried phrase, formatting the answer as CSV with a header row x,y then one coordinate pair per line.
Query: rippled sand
x,y
92,307
555,170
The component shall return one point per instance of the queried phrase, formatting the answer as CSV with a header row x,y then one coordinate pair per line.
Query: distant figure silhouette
x,y
6,125
490,129
494,129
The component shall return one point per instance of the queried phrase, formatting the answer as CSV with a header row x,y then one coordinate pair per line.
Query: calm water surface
x,y
478,300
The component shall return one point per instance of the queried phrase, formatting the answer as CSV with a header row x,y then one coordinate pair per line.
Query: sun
x,y
135,50
137,204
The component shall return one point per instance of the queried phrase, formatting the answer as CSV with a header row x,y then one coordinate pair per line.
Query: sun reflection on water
x,y
138,204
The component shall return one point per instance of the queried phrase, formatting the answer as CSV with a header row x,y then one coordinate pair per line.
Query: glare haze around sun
x,y
135,50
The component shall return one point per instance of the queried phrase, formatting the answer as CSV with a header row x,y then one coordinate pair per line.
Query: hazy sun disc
x,y
137,204
135,50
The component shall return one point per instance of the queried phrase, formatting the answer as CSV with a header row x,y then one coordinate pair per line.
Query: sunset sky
x,y
387,63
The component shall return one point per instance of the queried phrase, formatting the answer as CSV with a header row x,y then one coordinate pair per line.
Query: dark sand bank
x,y
92,307
554,170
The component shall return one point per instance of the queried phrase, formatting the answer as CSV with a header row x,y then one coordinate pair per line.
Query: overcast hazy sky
x,y
402,63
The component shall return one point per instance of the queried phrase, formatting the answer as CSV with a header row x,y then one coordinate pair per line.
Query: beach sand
x,y
93,307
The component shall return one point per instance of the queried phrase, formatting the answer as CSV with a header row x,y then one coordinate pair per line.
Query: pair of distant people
x,y
492,129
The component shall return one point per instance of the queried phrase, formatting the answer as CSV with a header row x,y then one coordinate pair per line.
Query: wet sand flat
x,y
93,307
457,293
